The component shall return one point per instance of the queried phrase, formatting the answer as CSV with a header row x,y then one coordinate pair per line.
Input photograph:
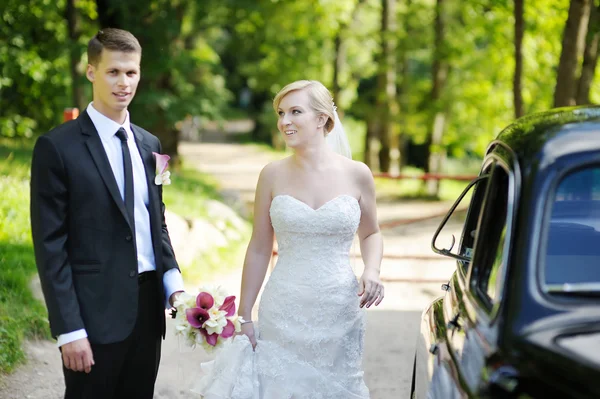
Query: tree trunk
x,y
162,128
403,88
338,64
590,57
372,143
74,29
387,93
339,60
519,31
108,15
435,151
168,135
572,47
437,156
262,132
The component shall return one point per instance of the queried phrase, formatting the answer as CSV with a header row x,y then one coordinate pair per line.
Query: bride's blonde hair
x,y
320,98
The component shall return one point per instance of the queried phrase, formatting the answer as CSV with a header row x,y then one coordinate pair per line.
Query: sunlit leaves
x,y
480,48
199,55
34,64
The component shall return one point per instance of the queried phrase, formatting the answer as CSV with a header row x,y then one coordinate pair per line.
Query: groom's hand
x,y
77,355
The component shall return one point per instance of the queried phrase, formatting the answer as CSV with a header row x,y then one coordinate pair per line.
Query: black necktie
x,y
127,167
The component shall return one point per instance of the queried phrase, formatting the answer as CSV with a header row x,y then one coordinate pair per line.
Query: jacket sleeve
x,y
49,227
167,248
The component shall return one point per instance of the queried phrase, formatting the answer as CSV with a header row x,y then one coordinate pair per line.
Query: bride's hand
x,y
248,330
370,288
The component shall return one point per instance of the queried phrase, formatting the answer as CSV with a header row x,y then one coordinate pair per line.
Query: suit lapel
x,y
147,157
98,154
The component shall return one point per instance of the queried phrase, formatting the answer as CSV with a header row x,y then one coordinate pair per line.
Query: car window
x,y
470,227
489,258
572,250
455,220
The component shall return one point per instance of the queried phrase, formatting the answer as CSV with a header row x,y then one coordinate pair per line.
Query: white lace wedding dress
x,y
311,328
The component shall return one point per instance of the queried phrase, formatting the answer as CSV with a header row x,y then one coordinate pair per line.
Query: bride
x,y
310,340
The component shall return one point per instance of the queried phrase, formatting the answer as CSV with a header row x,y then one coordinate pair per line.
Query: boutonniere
x,y
163,176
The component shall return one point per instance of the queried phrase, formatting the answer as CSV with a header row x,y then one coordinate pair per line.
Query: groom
x,y
102,248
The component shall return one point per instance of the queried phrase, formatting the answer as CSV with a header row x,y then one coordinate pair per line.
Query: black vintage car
x,y
521,314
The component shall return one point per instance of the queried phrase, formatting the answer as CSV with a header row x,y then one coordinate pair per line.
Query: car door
x,y
474,318
436,374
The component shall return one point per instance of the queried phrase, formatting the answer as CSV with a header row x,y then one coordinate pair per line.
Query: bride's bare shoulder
x,y
352,165
272,171
360,171
272,166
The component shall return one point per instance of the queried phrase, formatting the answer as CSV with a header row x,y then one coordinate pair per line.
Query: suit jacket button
x,y
128,238
132,273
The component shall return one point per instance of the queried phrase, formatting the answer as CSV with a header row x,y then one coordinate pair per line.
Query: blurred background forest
x,y
418,82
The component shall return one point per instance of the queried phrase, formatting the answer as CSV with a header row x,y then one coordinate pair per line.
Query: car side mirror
x,y
444,251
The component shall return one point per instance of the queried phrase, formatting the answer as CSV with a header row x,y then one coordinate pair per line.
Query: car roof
x,y
545,136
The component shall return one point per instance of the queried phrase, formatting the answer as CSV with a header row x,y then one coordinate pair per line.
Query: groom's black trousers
x,y
125,369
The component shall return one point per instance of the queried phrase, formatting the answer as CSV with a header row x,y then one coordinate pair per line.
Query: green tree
x,y
80,18
34,79
590,57
518,38
440,70
386,96
572,49
405,44
274,43
181,71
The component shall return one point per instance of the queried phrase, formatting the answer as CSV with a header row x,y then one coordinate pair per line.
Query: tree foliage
x,y
32,65
222,59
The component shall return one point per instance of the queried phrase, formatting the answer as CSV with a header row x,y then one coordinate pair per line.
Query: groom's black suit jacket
x,y
84,245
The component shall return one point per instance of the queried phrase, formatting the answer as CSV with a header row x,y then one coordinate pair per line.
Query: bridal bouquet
x,y
207,319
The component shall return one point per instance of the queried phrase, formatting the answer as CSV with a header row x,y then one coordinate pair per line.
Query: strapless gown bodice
x,y
314,244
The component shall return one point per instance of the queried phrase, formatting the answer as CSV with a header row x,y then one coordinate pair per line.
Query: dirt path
x,y
392,327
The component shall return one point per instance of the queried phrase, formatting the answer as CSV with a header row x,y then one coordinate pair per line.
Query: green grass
x,y
409,189
187,196
188,191
216,261
21,315
15,158
247,140
414,189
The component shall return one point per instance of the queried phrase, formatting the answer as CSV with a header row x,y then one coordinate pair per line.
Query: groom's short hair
x,y
111,39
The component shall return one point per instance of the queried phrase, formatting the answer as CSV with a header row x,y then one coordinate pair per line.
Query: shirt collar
x,y
105,126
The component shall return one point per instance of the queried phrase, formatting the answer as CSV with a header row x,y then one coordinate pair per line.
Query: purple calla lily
x,y
204,300
228,306
162,162
228,330
211,339
196,317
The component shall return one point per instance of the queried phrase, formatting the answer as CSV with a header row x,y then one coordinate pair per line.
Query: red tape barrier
x,y
425,176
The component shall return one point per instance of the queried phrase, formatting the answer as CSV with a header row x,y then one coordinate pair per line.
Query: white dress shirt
x,y
107,129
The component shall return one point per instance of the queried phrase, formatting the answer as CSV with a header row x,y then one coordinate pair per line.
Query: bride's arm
x,y
260,247
370,238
